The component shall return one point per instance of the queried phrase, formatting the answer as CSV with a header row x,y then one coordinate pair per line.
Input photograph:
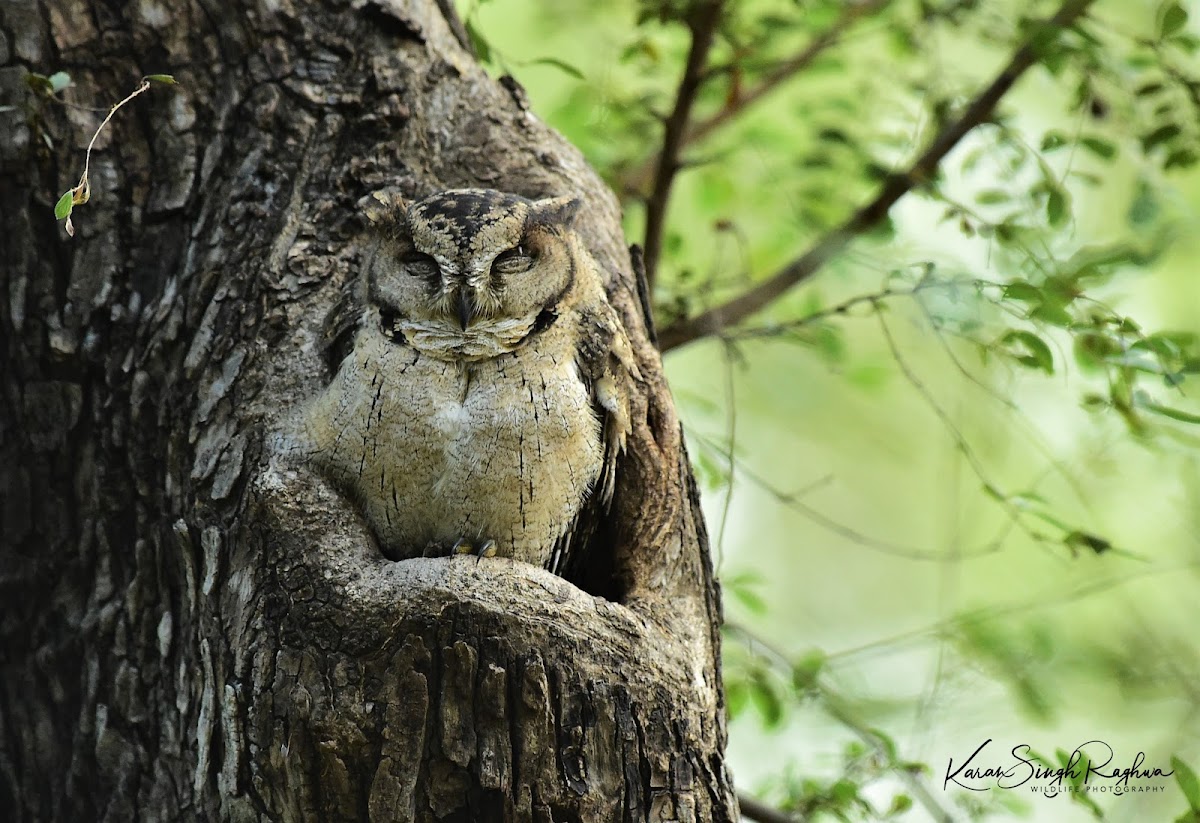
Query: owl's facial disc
x,y
474,262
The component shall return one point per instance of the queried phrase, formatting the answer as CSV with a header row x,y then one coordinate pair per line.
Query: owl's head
x,y
471,257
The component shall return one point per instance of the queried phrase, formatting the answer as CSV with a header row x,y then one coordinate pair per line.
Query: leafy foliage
x,y
1016,261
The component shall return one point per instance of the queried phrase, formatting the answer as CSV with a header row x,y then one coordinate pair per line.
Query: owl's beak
x,y
466,308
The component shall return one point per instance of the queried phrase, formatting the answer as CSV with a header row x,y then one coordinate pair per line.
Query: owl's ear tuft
x,y
387,210
555,211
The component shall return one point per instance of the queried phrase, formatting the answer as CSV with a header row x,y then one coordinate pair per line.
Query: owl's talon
x,y
488,548
463,546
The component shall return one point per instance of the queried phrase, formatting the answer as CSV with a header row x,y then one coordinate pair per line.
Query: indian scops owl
x,y
484,402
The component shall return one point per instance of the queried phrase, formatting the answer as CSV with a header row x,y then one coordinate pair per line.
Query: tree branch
x,y
454,21
894,187
702,22
785,71
757,810
636,179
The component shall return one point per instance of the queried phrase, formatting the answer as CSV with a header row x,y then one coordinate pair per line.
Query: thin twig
x,y
757,810
834,706
895,186
82,191
960,440
731,445
703,24
1035,437
851,14
944,628
793,501
637,178
87,158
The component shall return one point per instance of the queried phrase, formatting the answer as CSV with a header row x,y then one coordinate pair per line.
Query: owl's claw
x,y
463,546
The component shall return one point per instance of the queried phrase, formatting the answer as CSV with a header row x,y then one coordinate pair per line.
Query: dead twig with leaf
x,y
82,191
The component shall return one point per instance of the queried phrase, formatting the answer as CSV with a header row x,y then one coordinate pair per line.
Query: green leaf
x,y
991,197
40,83
1042,759
1183,159
888,743
1162,134
1167,411
58,81
478,42
1172,18
766,700
1020,290
1187,42
1095,263
1104,149
806,670
1029,350
876,172
62,209
737,695
1162,345
1145,207
870,375
1057,207
900,804
846,794
1053,314
742,587
642,47
1060,290
1078,539
1093,348
1189,784
1053,140
833,135
1137,360
165,79
712,475
566,68
1085,763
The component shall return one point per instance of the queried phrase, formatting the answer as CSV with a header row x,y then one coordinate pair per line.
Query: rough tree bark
x,y
188,633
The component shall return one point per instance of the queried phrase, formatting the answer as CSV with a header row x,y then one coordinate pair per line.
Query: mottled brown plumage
x,y
485,395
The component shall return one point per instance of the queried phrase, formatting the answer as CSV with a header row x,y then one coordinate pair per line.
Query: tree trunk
x,y
192,632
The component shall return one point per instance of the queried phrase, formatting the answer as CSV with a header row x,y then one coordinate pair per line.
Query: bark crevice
x,y
190,631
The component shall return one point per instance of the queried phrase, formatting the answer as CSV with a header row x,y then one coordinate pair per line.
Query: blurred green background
x,y
846,465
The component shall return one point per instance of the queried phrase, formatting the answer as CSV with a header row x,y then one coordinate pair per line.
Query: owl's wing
x,y
608,368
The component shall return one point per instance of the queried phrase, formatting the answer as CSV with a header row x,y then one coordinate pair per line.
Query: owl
x,y
483,404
